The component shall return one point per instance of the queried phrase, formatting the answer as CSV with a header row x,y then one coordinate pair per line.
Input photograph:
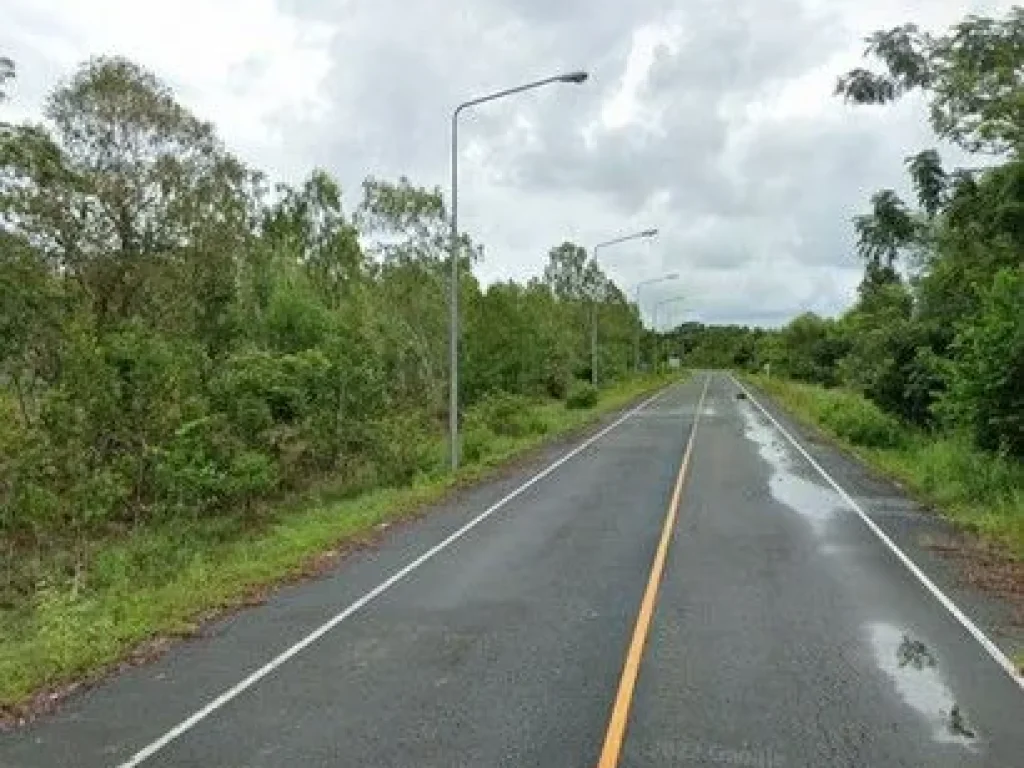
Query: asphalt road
x,y
785,631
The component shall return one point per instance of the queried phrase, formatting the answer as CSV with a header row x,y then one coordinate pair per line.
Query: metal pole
x,y
639,329
453,304
593,313
658,342
640,314
453,323
657,339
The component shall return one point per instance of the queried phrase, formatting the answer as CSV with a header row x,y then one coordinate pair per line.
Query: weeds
x,y
981,491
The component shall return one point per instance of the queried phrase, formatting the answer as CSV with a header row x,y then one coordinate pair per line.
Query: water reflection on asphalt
x,y
914,671
816,503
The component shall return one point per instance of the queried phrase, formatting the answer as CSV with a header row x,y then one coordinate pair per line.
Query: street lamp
x,y
453,330
639,327
593,305
657,306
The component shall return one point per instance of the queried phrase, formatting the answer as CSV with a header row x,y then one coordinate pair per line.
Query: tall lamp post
x,y
593,304
453,330
639,327
659,305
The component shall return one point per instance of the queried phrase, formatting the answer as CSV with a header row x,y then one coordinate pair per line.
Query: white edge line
x,y
993,650
151,749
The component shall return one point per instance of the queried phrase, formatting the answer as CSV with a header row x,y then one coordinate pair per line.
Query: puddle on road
x,y
914,670
816,503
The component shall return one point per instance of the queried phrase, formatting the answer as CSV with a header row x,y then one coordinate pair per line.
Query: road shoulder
x,y
960,564
382,517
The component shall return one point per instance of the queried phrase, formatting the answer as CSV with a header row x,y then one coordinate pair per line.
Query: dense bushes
x,y
986,374
581,395
203,344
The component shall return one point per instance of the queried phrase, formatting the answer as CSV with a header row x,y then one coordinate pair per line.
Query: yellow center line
x,y
616,733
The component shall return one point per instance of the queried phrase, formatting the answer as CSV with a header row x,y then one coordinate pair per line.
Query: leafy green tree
x,y
883,234
971,78
888,359
986,374
930,180
811,347
31,318
571,274
309,224
130,195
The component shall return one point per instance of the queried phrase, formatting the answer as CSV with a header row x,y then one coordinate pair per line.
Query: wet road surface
x,y
784,631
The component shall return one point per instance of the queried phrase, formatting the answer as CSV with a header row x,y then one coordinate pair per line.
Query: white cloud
x,y
240,69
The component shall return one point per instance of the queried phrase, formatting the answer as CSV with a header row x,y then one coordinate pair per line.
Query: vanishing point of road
x,y
694,584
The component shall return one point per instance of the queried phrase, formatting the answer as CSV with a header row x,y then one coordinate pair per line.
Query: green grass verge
x,y
160,581
980,491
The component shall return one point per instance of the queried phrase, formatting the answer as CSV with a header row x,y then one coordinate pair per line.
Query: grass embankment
x,y
980,491
161,581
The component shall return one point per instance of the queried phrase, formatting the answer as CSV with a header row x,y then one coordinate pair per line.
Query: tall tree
x,y
930,180
884,233
971,77
308,222
570,275
132,197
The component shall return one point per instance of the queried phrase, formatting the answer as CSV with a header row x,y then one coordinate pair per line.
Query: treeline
x,y
936,336
179,338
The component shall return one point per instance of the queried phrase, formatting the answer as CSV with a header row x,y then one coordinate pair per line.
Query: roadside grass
x,y
980,491
161,581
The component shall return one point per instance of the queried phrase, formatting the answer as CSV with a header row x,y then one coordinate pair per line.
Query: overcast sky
x,y
713,121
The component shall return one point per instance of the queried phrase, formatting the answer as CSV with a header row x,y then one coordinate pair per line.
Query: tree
x,y
31,316
888,359
811,347
406,223
308,223
930,180
571,275
986,377
970,76
885,232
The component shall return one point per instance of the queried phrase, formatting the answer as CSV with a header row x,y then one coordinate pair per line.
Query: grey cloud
x,y
757,215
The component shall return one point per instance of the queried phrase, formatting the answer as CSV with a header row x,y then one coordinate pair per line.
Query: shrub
x,y
477,440
860,421
400,446
504,414
581,395
986,376
556,385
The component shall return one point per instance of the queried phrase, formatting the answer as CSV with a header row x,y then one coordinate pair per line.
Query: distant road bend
x,y
688,586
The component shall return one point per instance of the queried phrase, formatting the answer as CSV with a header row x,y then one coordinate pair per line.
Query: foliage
x,y
159,578
858,420
581,395
971,77
986,374
183,346
935,335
